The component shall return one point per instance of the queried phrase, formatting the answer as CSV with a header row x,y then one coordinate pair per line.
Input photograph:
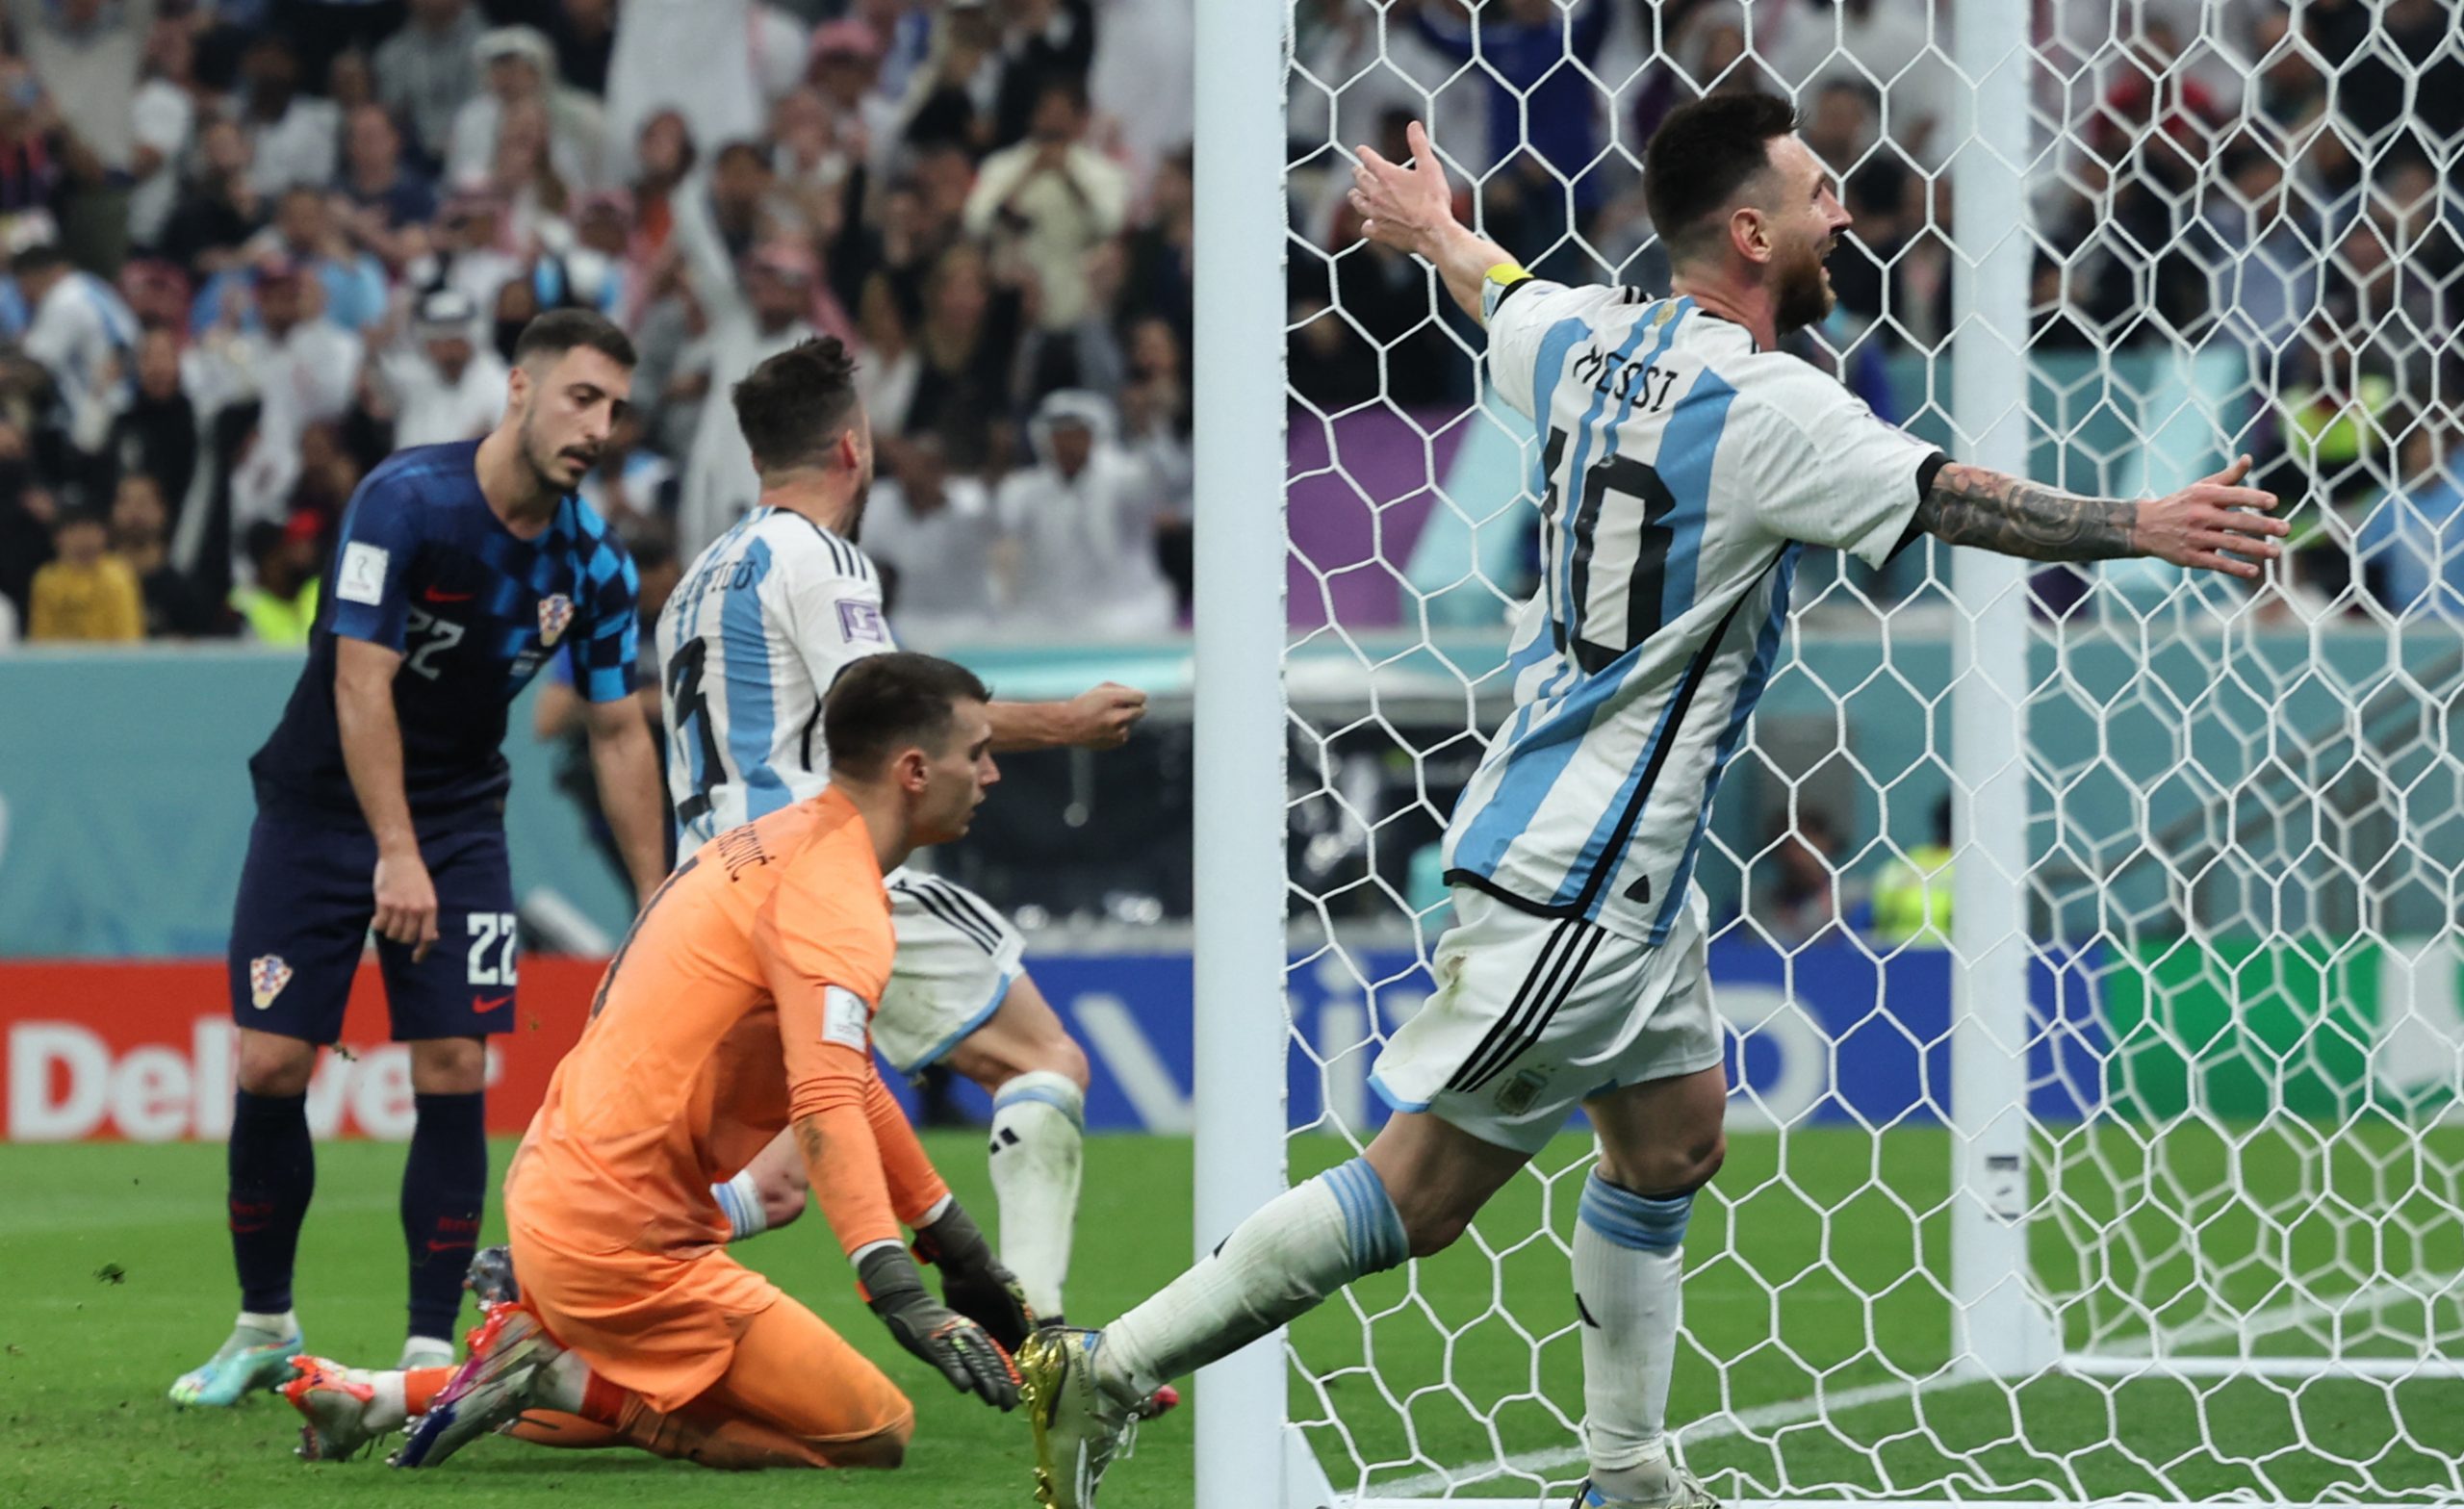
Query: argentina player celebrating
x,y
1684,463
380,801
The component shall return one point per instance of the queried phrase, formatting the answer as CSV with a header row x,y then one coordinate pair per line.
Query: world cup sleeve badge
x,y
268,974
555,611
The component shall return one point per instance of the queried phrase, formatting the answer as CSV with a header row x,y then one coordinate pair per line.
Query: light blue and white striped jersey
x,y
1680,468
84,335
766,616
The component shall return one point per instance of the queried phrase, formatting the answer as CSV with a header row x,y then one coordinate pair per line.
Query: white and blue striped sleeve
x,y
1821,466
1533,325
832,599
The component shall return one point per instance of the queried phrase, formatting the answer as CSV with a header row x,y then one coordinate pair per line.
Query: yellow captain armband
x,y
1496,283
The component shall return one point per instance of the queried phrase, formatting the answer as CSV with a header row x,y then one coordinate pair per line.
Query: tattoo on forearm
x,y
1973,506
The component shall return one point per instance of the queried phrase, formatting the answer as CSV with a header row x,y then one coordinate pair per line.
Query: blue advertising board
x,y
1828,1034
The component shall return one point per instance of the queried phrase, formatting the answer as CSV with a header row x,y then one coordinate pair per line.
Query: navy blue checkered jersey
x,y
423,567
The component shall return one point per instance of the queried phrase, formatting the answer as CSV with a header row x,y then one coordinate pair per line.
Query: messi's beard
x,y
1805,298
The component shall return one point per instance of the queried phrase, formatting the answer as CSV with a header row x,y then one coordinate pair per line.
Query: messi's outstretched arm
x,y
2213,525
1411,208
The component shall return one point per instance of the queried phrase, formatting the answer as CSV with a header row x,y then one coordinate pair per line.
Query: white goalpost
x,y
1998,1328
2134,1169
1237,751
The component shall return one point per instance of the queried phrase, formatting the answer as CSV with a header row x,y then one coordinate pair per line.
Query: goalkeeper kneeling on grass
x,y
740,1004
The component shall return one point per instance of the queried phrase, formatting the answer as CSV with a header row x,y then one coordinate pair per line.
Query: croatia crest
x,y
268,974
555,613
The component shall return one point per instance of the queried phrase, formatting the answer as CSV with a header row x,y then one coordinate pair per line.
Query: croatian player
x,y
380,799
740,1004
767,615
1685,462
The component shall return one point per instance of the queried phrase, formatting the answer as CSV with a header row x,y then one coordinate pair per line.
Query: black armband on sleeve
x,y
1926,471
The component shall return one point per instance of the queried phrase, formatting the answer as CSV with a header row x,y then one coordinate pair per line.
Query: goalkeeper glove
x,y
973,1281
973,1361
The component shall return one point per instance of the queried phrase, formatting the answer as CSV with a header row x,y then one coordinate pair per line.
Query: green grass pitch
x,y
1830,1246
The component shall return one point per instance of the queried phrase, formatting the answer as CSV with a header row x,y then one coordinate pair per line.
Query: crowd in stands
x,y
254,246
2281,185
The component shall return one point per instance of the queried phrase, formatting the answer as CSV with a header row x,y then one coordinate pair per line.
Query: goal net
x,y
2087,937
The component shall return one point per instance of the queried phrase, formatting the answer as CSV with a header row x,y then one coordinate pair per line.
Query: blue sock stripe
x,y
1648,1222
1345,1182
1346,1192
731,1205
1071,1106
1370,1225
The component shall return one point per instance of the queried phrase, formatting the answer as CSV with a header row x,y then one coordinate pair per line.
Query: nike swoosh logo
x,y
448,1247
438,594
478,1005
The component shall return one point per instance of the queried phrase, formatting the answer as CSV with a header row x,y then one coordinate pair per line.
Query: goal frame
x,y
1241,1024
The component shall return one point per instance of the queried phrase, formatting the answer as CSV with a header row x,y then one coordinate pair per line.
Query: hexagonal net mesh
x,y
2242,1047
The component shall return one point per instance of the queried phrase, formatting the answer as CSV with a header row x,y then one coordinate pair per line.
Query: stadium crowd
x,y
254,246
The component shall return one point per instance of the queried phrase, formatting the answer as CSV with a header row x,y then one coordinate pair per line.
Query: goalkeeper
x,y
1686,462
740,1004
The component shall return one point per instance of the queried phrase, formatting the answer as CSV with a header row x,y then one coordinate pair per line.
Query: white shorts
x,y
1533,1014
956,956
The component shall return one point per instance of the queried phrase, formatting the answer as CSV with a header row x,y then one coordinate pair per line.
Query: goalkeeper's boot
x,y
509,1353
1079,1428
251,1359
334,1402
1675,1488
490,1280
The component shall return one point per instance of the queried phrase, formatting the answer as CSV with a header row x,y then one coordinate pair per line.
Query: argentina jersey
x,y
423,567
1678,468
765,619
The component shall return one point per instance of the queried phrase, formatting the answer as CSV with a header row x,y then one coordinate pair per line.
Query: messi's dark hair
x,y
1701,155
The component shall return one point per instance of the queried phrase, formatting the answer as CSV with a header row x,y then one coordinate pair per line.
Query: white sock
x,y
277,1328
1039,1132
741,1203
425,1351
562,1382
1628,1260
1299,1248
386,1410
